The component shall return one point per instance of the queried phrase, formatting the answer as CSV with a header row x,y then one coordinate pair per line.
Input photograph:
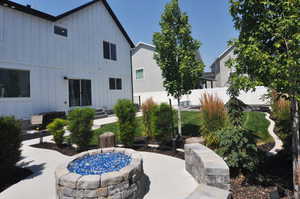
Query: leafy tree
x,y
176,54
268,51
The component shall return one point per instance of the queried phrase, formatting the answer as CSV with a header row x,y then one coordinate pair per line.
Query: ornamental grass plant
x,y
213,118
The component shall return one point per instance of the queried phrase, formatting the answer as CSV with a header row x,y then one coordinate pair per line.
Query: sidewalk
x,y
108,120
167,175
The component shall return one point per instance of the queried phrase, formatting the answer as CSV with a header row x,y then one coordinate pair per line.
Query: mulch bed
x,y
17,175
240,190
64,149
266,147
70,151
273,175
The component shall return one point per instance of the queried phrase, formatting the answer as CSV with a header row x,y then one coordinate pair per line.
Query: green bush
x,y
10,143
238,148
80,124
51,116
56,128
163,121
126,113
149,108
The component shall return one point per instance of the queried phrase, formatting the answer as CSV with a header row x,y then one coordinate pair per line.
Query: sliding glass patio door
x,y
80,92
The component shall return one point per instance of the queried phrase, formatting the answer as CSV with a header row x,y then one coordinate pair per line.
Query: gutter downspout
x,y
131,68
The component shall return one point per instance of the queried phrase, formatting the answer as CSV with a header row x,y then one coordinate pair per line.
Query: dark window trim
x,y
106,52
80,82
115,85
29,81
61,31
109,54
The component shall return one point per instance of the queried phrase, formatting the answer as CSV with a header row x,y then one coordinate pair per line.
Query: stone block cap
x,y
69,184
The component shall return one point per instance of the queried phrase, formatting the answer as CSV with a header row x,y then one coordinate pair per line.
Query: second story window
x,y
109,51
139,73
61,31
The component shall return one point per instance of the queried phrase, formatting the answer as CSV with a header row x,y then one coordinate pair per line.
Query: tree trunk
x,y
179,118
296,148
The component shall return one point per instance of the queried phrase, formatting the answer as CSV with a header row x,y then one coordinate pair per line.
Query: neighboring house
x,y
147,75
81,58
220,70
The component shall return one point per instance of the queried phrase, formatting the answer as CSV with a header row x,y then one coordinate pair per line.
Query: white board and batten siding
x,y
28,43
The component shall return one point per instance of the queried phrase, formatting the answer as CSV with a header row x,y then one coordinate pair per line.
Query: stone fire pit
x,y
102,173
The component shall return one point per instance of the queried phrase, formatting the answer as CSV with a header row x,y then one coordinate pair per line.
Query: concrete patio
x,y
168,177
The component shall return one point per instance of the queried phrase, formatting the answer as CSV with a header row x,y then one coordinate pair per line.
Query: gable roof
x,y
221,56
37,13
152,47
143,45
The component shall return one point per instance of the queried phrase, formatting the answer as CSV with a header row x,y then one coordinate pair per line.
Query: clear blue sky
x,y
210,19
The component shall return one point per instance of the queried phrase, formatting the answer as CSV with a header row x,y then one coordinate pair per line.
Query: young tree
x,y
268,50
176,54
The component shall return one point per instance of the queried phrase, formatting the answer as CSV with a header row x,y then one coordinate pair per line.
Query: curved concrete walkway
x,y
278,142
167,175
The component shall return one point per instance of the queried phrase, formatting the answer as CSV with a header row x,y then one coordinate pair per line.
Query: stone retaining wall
x,y
128,183
209,170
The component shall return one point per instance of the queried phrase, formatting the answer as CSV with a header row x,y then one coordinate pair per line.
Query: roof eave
x,y
27,10
52,18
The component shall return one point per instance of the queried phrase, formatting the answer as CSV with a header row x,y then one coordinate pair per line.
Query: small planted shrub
x,y
56,128
126,113
163,122
213,118
80,124
148,108
10,143
51,116
238,148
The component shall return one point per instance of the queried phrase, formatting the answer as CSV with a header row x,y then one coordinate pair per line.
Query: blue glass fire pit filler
x,y
99,163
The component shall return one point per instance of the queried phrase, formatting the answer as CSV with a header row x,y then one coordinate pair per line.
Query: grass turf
x,y
254,121
257,122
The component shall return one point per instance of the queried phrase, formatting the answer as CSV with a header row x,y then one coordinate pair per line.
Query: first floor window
x,y
139,73
80,92
14,83
115,84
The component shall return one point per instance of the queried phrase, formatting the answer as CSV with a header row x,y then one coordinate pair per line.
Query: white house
x,y
81,58
147,75
219,69
148,82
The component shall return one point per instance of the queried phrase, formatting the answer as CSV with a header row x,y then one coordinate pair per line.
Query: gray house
x,y
147,74
219,69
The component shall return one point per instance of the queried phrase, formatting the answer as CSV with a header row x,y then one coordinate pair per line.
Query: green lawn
x,y
257,122
191,123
